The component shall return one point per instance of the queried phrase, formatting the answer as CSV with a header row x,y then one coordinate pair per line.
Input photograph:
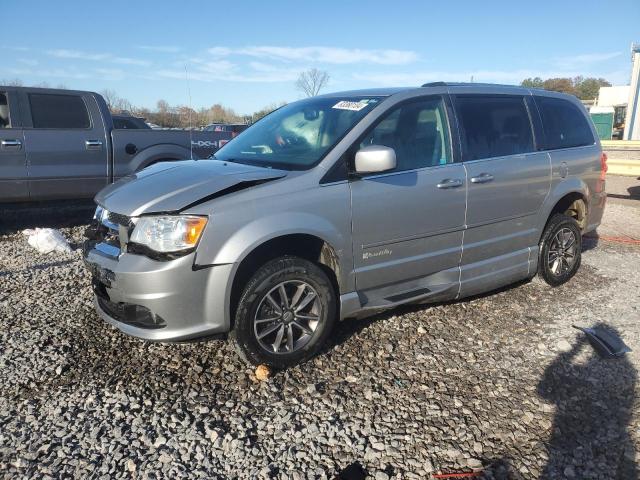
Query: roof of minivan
x,y
451,86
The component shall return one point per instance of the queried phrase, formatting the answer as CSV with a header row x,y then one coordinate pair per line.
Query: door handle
x,y
93,144
482,178
450,183
11,143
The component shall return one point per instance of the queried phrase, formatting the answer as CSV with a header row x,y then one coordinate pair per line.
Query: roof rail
x,y
468,84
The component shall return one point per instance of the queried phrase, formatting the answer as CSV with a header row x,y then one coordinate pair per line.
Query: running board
x,y
421,295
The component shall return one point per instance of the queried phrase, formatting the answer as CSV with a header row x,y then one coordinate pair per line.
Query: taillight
x,y
603,165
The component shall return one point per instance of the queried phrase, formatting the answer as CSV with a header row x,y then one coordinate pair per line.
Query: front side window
x,y
564,124
417,131
494,126
5,120
298,135
58,111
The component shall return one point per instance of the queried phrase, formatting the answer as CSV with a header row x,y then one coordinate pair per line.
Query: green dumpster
x,y
604,124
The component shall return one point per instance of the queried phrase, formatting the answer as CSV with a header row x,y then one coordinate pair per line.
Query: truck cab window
x,y
58,111
5,121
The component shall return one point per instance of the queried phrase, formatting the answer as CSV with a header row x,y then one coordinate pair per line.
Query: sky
x,y
248,54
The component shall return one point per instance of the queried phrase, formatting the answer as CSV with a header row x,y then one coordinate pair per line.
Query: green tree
x,y
564,85
536,82
588,88
583,88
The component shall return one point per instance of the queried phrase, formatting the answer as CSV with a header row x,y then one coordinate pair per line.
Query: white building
x,y
613,96
632,120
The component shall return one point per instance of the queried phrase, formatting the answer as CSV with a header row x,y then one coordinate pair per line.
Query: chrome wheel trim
x,y
287,317
562,252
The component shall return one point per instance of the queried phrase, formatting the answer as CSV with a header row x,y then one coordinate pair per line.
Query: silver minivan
x,y
346,204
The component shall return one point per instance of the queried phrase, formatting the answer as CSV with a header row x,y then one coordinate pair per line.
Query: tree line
x,y
583,88
309,83
182,116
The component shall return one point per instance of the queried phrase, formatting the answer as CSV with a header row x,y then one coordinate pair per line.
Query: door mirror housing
x,y
375,159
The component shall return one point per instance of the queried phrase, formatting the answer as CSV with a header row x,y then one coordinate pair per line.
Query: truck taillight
x,y
603,165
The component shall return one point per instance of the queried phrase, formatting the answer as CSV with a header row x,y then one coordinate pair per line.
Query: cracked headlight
x,y
168,233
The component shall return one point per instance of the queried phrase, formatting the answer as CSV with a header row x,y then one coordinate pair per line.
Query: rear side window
x,y
564,124
494,126
58,111
123,124
5,120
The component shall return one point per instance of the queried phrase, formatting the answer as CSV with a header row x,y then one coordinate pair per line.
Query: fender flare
x,y
154,153
562,189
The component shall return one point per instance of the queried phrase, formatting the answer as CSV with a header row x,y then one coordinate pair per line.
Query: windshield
x,y
298,135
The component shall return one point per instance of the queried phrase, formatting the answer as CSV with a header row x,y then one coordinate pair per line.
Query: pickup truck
x,y
62,144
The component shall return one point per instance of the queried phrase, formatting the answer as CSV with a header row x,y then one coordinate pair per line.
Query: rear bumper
x,y
596,211
160,301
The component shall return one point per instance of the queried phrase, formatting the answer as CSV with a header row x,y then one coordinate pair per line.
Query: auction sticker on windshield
x,y
346,105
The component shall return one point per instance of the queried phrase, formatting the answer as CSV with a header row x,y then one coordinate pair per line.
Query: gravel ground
x,y
500,381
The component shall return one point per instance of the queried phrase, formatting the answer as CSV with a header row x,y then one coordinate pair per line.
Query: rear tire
x,y
285,313
560,250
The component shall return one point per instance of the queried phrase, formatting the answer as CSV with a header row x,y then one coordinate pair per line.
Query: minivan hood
x,y
172,186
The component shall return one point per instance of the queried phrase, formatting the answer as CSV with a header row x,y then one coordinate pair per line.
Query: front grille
x,y
110,234
120,219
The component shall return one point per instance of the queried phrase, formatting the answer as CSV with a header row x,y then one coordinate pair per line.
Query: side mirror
x,y
375,159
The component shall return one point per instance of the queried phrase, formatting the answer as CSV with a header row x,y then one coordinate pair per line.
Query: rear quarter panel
x,y
581,167
135,149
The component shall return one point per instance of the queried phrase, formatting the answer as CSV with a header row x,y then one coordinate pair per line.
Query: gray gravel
x,y
500,381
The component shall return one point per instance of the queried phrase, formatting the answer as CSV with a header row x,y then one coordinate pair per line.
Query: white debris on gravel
x,y
500,379
47,240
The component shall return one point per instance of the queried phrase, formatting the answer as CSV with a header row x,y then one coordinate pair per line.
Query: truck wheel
x,y
285,313
560,250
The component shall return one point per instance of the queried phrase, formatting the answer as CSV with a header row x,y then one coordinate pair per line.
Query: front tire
x,y
285,313
560,250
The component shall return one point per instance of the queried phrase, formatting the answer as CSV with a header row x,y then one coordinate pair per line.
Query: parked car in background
x,y
343,205
64,144
234,129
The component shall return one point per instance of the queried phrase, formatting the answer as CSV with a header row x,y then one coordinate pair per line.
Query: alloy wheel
x,y
562,251
287,317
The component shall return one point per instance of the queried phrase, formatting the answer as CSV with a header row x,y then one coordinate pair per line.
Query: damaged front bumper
x,y
159,300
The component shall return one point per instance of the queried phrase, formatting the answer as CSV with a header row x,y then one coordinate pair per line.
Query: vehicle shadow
x,y
59,214
634,192
349,327
594,399
590,241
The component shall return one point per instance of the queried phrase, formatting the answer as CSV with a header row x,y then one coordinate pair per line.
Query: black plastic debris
x,y
355,471
606,342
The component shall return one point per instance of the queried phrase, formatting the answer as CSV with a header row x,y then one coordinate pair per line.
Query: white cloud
x,y
160,48
76,54
15,48
28,61
130,61
50,73
585,59
110,73
329,55
96,57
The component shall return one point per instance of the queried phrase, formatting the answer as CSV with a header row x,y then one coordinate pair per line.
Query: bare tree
x,y
312,81
111,97
16,82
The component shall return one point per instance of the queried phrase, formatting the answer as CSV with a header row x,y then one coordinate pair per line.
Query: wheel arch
x,y
304,245
158,153
562,199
